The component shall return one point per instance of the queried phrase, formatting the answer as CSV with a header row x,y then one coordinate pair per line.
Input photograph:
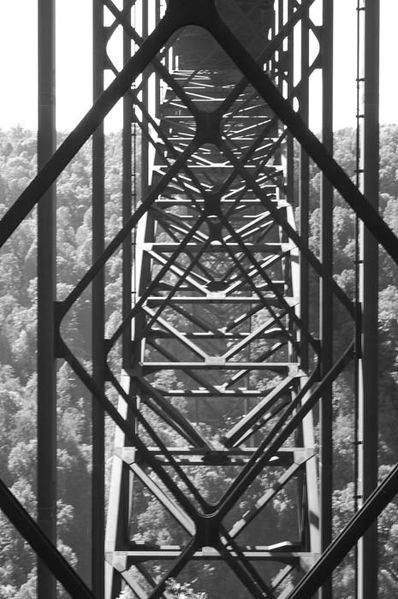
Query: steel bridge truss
x,y
215,359
223,375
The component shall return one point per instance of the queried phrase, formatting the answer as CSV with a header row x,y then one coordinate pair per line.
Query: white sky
x,y
18,56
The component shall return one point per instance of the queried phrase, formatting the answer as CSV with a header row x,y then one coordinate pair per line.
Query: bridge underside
x,y
222,467
223,364
214,384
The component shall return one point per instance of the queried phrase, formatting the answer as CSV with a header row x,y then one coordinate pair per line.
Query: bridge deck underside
x,y
215,373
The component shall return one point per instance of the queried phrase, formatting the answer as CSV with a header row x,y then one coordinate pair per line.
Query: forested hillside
x,y
17,357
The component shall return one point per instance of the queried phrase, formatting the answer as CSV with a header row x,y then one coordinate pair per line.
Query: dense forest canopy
x,y
18,342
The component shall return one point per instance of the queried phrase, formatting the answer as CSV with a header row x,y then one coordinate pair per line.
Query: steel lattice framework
x,y
217,334
223,370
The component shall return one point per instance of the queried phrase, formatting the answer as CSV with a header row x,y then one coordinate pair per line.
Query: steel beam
x,y
326,292
304,187
129,191
369,405
46,235
98,315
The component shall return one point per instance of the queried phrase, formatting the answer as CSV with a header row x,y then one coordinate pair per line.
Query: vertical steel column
x,y
304,193
290,183
46,361
98,314
326,294
368,551
145,99
127,193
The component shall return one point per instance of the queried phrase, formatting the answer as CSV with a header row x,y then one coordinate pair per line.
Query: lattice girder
x,y
215,366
